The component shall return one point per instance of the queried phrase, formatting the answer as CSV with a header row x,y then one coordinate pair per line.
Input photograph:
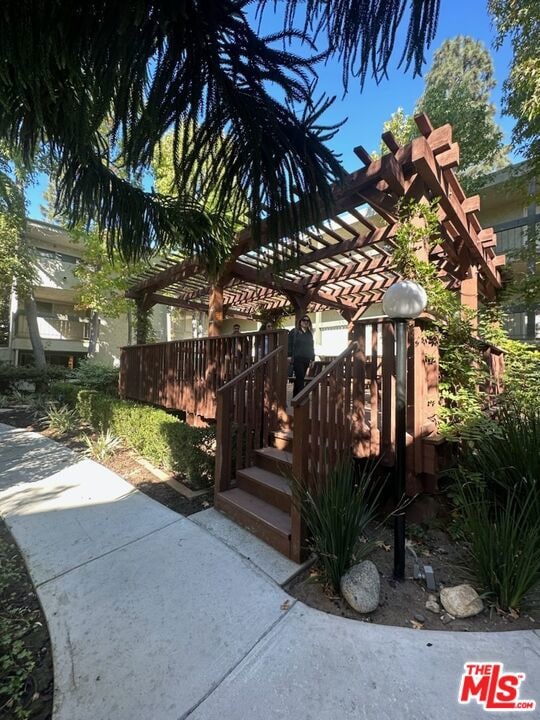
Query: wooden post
x,y
301,453
216,311
468,294
223,442
300,304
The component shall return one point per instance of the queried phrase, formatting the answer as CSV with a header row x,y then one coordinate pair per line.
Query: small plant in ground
x,y
60,419
102,446
19,397
4,401
337,513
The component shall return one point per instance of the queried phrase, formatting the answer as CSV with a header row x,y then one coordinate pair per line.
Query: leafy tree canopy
x,y
151,67
457,90
519,20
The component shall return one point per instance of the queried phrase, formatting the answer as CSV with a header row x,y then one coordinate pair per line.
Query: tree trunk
x,y
94,334
33,331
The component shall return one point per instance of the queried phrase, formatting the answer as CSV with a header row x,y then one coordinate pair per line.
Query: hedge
x,y
157,436
10,375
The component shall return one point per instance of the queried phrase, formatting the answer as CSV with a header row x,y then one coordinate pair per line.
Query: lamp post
x,y
402,302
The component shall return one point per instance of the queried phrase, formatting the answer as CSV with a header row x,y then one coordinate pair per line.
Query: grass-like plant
x,y
497,497
337,512
102,446
60,419
503,540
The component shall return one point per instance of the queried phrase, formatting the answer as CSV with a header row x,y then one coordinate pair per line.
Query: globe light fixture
x,y
402,302
405,299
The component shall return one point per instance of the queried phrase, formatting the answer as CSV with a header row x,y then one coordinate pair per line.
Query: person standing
x,y
301,351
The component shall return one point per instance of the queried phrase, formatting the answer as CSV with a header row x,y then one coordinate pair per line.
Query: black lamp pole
x,y
400,325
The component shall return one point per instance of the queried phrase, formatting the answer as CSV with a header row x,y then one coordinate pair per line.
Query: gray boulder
x,y
361,586
461,601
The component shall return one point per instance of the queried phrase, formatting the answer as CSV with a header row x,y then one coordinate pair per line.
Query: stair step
x,y
283,439
273,489
274,460
263,520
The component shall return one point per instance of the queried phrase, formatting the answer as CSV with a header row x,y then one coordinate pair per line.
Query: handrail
x,y
206,337
250,369
303,395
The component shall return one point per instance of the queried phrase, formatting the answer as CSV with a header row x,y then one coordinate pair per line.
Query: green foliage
x,y
103,445
159,437
521,379
98,78
402,127
16,661
497,495
337,513
11,375
65,392
96,376
520,23
457,91
60,419
103,278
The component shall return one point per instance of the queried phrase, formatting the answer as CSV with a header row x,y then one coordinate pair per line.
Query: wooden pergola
x,y
343,262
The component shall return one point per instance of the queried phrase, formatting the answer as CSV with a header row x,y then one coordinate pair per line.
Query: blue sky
x,y
367,110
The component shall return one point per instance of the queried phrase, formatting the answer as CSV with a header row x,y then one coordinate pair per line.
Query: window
x,y
57,256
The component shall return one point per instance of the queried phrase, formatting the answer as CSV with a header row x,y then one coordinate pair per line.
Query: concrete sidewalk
x,y
154,616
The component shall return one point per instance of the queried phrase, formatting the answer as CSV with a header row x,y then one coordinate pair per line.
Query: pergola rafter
x,y
345,261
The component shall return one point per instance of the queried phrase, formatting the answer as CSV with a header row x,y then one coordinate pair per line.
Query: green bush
x,y
497,498
97,376
337,513
11,375
153,433
65,392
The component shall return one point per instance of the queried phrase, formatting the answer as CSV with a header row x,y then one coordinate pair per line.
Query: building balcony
x,y
56,327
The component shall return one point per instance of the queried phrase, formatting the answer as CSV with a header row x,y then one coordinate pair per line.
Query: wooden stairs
x,y
260,498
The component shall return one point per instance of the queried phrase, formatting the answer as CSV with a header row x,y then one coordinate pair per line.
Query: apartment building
x,y
510,205
63,328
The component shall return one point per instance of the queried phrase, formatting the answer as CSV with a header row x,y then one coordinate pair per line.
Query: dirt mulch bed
x,y
403,603
26,668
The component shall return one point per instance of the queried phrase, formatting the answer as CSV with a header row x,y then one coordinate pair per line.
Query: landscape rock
x,y
432,605
419,618
461,601
361,585
446,618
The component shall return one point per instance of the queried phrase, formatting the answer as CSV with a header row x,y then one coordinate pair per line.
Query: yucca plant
x,y
102,446
337,513
60,419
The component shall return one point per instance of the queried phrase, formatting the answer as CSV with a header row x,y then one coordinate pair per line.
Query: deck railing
x,y
186,374
249,407
350,406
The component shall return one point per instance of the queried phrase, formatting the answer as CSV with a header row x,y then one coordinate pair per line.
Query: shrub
x,y
102,446
65,392
97,376
497,495
503,538
337,513
155,434
11,375
60,419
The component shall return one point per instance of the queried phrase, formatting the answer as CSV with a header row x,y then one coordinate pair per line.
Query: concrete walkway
x,y
154,616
